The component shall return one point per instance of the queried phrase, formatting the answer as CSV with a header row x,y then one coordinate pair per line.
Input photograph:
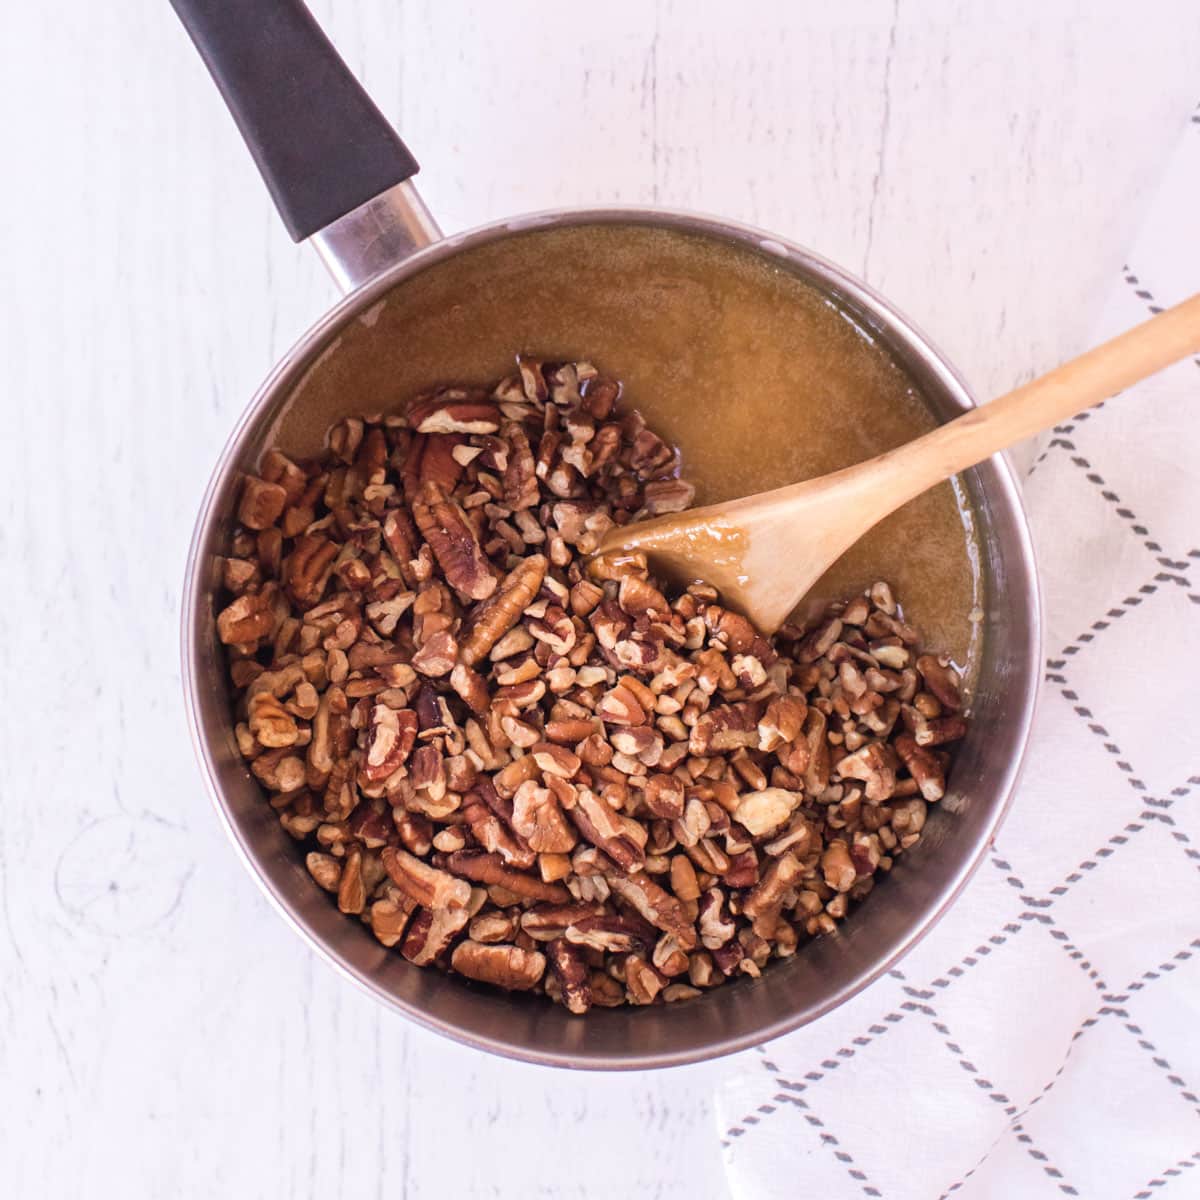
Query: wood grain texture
x,y
161,1031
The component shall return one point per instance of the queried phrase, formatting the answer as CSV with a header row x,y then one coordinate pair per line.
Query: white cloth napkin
x,y
1044,1040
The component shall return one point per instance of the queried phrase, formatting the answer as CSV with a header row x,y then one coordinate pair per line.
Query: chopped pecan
x,y
875,765
261,504
431,932
437,655
352,891
507,967
555,760
941,730
491,927
665,796
618,935
490,826
923,767
497,615
668,496
942,680
838,867
763,903
270,723
540,821
782,723
471,687
307,569
571,972
389,917
247,619
325,869
652,457
543,922
520,482
444,525
604,829
426,885
726,727
487,868
453,410
659,907
389,742
620,707
436,462
763,812
642,981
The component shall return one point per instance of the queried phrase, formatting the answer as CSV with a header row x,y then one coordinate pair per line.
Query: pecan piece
x,y
272,725
389,916
604,829
942,680
643,981
620,707
498,614
507,967
763,812
437,463
306,570
261,503
652,457
352,891
555,760
763,903
489,827
389,742
658,907
520,482
717,927
471,687
875,765
539,820
923,767
247,619
454,410
668,496
437,655
664,796
431,933
545,921
726,727
428,886
325,869
838,867
941,730
617,935
571,972
481,867
444,525
782,723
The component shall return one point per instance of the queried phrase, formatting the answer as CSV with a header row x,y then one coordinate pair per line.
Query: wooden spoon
x,y
765,552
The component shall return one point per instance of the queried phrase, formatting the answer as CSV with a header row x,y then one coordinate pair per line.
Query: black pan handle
x,y
322,146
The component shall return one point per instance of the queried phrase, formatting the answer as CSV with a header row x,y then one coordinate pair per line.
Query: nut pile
x,y
543,773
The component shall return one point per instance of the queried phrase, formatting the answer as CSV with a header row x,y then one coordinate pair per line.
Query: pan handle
x,y
337,171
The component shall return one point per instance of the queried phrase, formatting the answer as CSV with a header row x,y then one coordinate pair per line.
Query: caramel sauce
x,y
761,379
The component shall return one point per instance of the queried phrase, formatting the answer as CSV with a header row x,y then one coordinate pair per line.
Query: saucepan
x,y
418,308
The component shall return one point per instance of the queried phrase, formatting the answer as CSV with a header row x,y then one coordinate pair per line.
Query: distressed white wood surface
x,y
161,1031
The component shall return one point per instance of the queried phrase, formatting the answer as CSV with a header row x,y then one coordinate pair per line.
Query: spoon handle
x,y
1041,404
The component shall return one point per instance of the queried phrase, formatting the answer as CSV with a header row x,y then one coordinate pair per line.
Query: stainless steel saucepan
x,y
341,179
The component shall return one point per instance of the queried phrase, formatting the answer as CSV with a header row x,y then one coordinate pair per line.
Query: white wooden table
x,y
161,1031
